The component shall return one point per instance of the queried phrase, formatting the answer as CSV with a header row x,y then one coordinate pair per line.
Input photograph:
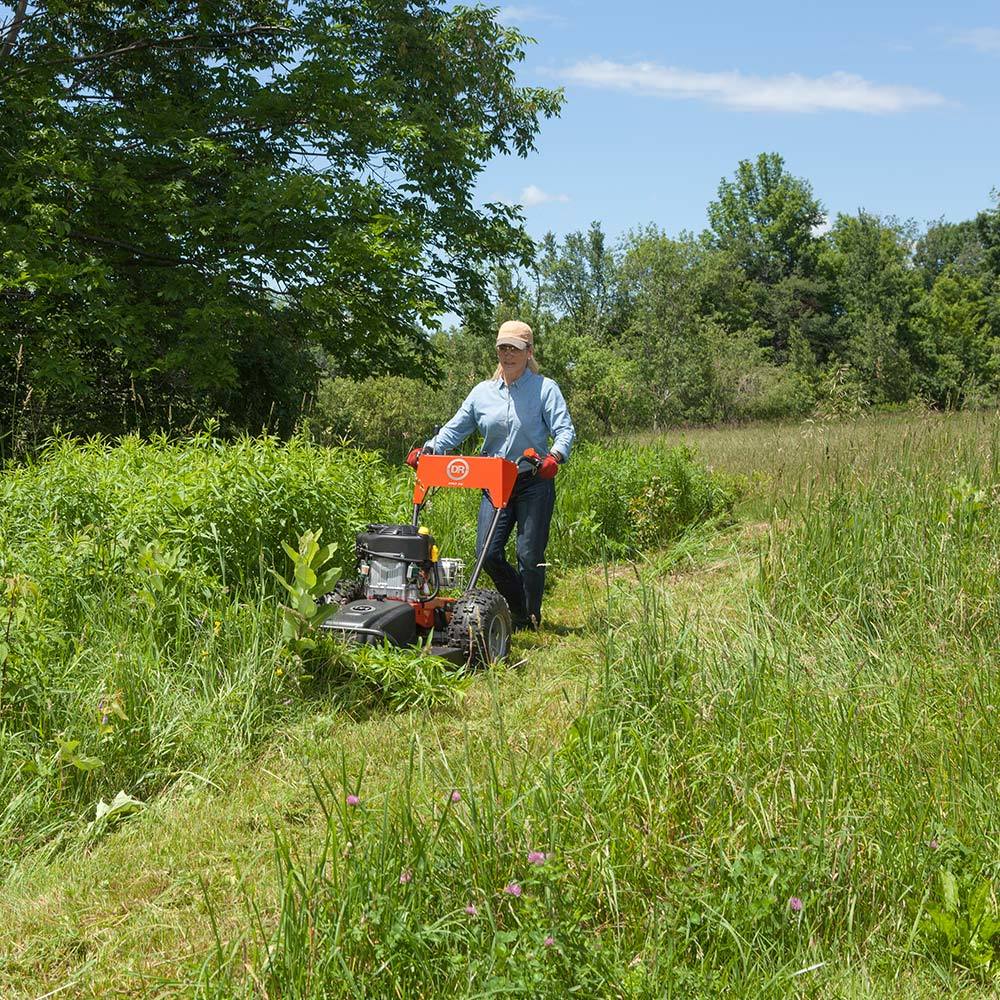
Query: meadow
x,y
755,753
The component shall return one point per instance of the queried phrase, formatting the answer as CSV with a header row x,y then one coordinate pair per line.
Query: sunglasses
x,y
509,347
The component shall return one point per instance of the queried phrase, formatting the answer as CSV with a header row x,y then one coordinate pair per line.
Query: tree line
x,y
771,311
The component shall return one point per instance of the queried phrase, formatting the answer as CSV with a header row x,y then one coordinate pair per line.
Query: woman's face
x,y
513,361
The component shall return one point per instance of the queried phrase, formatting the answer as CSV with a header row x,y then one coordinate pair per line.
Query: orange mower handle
x,y
495,475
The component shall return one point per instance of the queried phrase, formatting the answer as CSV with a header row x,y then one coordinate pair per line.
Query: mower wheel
x,y
344,591
481,626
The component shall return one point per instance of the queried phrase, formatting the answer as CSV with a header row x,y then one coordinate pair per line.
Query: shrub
x,y
387,414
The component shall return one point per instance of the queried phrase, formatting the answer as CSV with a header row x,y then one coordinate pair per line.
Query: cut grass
x,y
133,907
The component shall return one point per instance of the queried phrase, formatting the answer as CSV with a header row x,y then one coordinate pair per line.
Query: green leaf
x,y
949,891
121,805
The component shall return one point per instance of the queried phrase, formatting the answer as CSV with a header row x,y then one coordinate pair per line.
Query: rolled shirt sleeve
x,y
558,420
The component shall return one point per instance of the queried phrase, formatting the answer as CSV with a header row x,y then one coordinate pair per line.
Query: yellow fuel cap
x,y
423,530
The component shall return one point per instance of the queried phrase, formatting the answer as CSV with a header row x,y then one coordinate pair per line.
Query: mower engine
x,y
397,561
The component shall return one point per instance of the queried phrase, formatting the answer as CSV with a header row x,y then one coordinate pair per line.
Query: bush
x,y
387,414
609,501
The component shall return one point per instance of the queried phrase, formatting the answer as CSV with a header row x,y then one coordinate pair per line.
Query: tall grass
x,y
139,626
803,804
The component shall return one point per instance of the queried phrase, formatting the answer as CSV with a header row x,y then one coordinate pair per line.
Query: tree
x,y
867,264
954,245
954,351
988,231
765,219
580,282
193,196
764,222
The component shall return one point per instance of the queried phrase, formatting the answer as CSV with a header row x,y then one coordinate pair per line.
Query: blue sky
x,y
890,107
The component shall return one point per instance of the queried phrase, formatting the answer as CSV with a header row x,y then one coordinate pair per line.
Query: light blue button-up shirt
x,y
511,418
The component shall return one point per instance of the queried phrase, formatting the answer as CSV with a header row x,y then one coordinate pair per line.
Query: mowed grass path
x,y
129,918
132,911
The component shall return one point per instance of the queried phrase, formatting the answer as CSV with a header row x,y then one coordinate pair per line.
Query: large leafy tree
x,y
867,263
199,197
764,221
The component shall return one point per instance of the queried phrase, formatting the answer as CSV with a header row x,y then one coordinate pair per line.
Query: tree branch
x,y
8,42
148,43
145,255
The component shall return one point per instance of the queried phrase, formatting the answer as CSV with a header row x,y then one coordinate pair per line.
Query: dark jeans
x,y
530,508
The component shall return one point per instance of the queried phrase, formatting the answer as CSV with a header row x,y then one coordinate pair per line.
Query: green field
x,y
755,752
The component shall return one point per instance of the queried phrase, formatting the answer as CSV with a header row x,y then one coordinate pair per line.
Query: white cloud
x,y
533,195
744,92
521,15
983,39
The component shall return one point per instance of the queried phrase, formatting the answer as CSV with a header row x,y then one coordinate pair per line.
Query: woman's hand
x,y
548,468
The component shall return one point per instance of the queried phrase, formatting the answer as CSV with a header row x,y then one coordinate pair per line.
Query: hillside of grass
x,y
757,759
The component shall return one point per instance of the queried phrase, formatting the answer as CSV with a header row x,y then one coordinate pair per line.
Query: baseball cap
x,y
515,333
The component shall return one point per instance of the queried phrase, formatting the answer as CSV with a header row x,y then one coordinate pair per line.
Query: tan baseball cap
x,y
515,333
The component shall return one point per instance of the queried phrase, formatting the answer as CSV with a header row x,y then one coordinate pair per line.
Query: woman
x,y
516,409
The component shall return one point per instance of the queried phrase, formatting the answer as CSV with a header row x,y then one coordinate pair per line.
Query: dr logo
x,y
458,469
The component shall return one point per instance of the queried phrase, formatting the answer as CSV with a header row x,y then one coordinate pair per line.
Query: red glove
x,y
414,457
548,468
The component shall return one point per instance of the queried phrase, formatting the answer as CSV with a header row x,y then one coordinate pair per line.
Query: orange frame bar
x,y
495,475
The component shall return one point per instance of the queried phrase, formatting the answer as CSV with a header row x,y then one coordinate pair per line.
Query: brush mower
x,y
399,592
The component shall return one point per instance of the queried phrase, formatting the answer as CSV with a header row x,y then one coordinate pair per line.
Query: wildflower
x,y
471,910
933,845
795,904
405,876
277,672
549,941
512,889
353,800
537,857
456,796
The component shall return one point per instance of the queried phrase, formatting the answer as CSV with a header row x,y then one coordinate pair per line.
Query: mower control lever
x,y
530,461
545,468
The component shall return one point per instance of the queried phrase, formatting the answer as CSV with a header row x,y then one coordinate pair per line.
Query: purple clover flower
x,y
353,800
471,910
795,904
512,889
537,857
549,941
405,876
456,796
